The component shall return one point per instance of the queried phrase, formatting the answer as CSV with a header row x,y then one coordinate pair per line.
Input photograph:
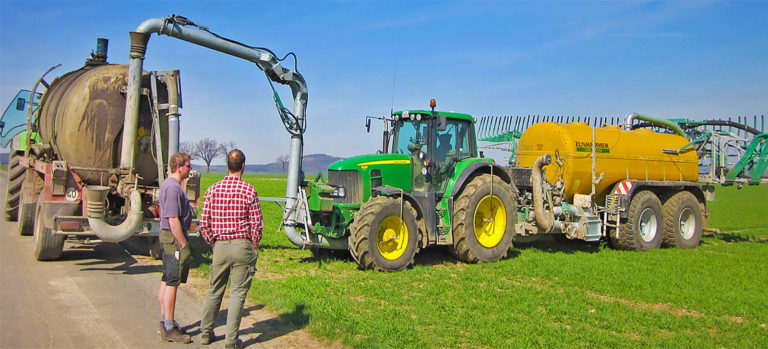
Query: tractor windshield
x,y
410,137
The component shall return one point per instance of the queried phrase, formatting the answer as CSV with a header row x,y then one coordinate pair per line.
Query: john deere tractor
x,y
426,187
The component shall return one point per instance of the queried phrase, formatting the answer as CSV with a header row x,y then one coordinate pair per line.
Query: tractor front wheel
x,y
384,235
484,220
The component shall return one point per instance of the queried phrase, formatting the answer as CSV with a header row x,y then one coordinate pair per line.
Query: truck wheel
x,y
682,221
48,246
16,174
30,192
380,238
643,228
484,224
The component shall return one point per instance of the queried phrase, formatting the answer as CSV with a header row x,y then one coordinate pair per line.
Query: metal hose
x,y
544,219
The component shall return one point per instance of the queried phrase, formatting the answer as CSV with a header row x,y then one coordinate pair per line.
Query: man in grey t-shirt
x,y
175,219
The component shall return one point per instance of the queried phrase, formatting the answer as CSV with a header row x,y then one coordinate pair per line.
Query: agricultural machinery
x,y
95,145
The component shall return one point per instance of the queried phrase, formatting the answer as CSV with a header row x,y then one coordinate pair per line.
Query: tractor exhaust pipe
x,y
544,219
97,196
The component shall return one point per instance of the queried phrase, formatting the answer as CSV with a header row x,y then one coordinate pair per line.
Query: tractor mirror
x,y
441,123
368,125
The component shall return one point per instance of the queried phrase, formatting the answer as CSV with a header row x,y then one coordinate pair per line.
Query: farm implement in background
x,y
729,151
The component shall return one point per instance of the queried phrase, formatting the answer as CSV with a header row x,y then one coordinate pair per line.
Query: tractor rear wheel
x,y
16,175
644,226
384,235
48,246
484,220
682,221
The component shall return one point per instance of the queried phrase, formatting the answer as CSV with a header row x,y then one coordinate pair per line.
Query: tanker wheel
x,y
384,235
47,246
30,192
484,221
644,226
16,174
682,221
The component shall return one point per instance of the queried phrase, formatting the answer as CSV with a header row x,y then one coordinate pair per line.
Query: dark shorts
x,y
175,263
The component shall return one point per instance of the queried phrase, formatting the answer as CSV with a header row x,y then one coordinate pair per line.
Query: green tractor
x,y
427,187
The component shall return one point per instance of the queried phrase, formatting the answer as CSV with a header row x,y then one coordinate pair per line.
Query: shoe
x,y
238,344
174,335
161,328
207,338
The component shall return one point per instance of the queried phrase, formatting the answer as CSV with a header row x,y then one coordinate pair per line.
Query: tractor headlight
x,y
338,192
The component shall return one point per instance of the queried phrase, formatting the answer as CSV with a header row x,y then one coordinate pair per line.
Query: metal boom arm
x,y
179,27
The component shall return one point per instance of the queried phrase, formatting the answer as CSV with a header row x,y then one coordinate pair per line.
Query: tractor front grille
x,y
351,182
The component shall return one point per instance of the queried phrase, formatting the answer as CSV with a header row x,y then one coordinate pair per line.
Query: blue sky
x,y
693,59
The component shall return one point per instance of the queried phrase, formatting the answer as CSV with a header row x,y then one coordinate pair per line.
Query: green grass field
x,y
546,294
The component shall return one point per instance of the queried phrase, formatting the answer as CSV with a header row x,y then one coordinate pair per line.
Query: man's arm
x,y
256,222
175,224
205,219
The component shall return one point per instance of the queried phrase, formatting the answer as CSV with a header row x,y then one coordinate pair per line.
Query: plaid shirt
x,y
231,211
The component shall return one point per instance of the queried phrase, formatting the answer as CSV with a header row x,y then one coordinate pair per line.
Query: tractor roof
x,y
449,115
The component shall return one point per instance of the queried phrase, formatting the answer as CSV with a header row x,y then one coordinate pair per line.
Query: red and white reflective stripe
x,y
624,188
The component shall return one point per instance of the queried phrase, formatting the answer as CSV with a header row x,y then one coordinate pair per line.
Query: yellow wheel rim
x,y
392,238
490,221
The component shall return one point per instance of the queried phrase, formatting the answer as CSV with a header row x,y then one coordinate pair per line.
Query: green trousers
x,y
237,259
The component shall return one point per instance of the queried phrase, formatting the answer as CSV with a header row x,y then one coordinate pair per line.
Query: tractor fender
x,y
474,169
396,193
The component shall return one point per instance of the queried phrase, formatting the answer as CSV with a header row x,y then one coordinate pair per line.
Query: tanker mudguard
x,y
480,166
628,189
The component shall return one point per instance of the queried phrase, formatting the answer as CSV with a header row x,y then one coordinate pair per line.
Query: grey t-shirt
x,y
174,203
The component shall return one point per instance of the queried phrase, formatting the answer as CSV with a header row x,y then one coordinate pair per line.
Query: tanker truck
x,y
636,188
65,176
88,159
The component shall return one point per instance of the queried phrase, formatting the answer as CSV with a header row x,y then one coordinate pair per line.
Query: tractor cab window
x,y
411,139
451,146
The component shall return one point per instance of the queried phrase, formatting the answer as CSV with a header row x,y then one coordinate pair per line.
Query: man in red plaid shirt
x,y
231,223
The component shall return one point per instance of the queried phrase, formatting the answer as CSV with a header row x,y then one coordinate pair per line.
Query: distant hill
x,y
313,163
4,159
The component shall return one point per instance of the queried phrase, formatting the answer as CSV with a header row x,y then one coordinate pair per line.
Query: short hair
x,y
235,160
178,160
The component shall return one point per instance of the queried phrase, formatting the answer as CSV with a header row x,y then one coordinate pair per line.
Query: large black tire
x,y
30,192
682,221
484,224
16,174
48,247
380,238
644,226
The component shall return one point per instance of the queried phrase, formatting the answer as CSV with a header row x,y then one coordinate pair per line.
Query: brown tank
x,y
81,118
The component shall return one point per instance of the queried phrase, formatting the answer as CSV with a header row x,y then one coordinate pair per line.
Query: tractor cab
x,y
435,142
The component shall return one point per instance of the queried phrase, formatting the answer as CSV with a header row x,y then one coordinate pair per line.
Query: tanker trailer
x,y
636,188
72,182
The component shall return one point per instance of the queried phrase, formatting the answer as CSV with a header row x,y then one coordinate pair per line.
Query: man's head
x,y
179,163
235,161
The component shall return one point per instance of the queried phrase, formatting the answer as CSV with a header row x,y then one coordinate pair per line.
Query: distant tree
x,y
226,147
283,159
208,149
187,147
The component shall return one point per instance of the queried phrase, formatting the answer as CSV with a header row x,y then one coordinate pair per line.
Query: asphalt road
x,y
100,296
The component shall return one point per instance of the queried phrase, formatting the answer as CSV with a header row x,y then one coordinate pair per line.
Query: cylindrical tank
x,y
620,155
81,118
